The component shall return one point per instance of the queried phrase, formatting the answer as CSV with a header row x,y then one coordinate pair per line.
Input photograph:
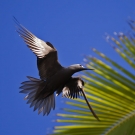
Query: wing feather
x,y
47,59
38,46
73,88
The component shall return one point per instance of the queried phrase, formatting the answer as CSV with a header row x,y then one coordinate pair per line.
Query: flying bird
x,y
53,76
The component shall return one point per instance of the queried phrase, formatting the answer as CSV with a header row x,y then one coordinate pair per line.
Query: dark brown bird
x,y
53,76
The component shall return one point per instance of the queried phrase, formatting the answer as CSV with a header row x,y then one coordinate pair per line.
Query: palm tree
x,y
111,91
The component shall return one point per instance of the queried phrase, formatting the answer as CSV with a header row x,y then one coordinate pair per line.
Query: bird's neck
x,y
72,70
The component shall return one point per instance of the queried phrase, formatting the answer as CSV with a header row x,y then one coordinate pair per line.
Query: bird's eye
x,y
81,66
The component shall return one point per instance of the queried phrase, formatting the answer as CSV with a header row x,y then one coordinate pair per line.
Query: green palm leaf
x,y
111,92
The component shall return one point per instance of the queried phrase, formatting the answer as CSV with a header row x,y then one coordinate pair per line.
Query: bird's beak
x,y
88,69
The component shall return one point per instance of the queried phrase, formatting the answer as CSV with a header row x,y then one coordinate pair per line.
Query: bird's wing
x,y
73,89
38,46
46,53
48,66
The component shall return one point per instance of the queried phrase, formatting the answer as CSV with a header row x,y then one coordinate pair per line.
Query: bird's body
x,y
59,78
53,76
57,81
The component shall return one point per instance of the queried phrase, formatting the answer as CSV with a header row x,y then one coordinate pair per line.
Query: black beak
x,y
88,69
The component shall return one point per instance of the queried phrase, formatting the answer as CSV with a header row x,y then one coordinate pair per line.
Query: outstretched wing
x,y
38,46
47,59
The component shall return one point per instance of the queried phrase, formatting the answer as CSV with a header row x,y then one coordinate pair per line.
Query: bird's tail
x,y
33,88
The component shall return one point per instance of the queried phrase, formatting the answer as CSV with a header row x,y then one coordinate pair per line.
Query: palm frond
x,y
111,92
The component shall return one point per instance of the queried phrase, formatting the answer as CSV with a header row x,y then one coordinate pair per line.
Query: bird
x,y
53,76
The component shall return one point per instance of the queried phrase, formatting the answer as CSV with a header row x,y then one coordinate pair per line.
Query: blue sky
x,y
73,27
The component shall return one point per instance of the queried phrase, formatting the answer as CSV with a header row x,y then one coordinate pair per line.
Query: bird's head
x,y
78,67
